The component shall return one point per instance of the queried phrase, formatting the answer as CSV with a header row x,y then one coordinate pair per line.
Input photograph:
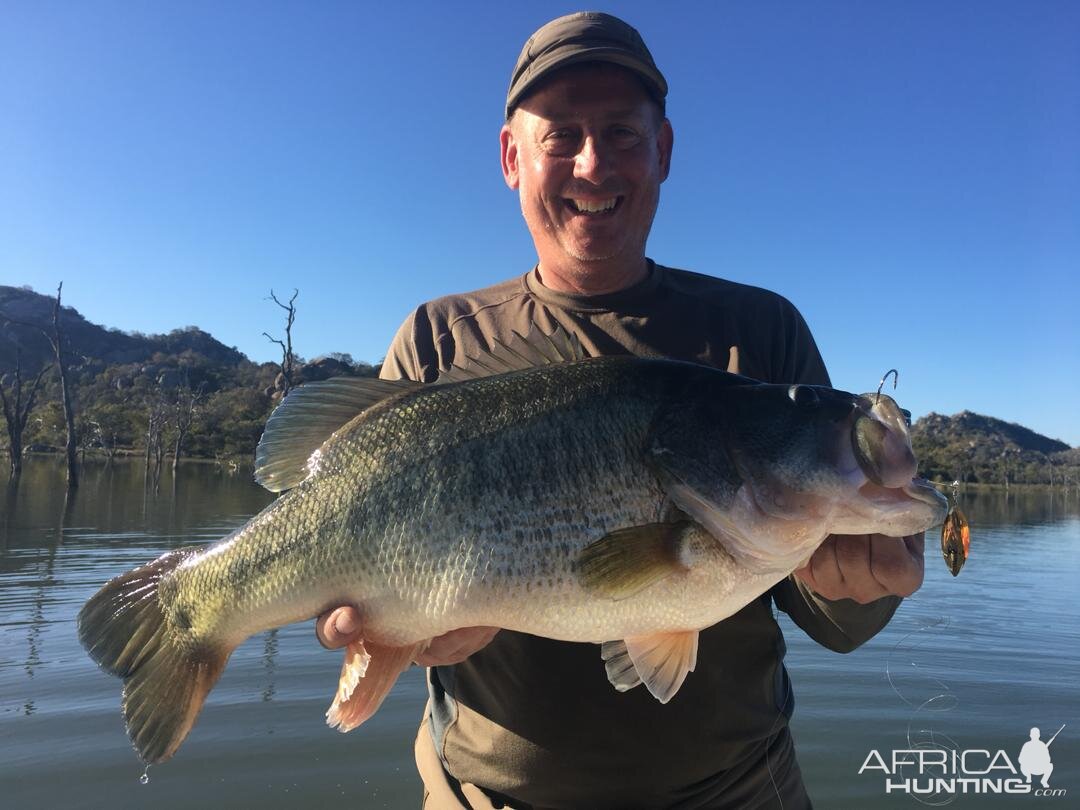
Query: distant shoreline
x,y
128,456
946,487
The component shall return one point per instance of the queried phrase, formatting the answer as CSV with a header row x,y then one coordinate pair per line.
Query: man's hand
x,y
340,626
455,646
865,567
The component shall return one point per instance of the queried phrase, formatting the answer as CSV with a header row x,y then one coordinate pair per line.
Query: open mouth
x,y
593,208
918,490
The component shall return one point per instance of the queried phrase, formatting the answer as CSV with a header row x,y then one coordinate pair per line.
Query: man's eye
x,y
561,141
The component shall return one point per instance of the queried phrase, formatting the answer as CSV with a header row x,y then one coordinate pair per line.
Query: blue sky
x,y
907,173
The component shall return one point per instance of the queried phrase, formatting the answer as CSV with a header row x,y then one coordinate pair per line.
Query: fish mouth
x,y
917,489
920,489
892,494
894,511
882,442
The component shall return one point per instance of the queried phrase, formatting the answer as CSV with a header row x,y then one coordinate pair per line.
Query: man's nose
x,y
593,161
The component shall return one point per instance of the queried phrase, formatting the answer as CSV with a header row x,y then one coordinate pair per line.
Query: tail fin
x,y
123,628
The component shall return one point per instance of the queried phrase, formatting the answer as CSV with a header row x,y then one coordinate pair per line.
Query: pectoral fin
x,y
626,561
660,661
367,676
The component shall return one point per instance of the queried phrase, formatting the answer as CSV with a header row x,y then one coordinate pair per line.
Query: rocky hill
x,y
978,448
88,340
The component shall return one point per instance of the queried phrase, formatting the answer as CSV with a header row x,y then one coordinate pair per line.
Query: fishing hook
x,y
884,377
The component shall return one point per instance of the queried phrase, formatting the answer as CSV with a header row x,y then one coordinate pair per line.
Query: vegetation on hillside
x,y
130,391
973,448
133,392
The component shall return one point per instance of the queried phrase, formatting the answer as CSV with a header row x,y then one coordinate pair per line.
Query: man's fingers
x,y
854,556
342,625
916,545
338,627
455,646
824,569
897,563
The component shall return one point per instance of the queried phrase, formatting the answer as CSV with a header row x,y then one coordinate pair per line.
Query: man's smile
x,y
593,207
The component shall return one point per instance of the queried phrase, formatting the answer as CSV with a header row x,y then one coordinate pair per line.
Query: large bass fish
x,y
619,500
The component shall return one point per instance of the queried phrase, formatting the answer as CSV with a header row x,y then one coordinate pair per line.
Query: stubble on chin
x,y
586,258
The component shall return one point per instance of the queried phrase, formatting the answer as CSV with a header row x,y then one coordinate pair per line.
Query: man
x,y
522,721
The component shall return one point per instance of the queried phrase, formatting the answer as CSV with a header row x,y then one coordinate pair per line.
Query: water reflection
x,y
112,500
999,654
111,508
1016,507
7,519
270,650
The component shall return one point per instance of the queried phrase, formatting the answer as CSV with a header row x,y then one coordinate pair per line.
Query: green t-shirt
x,y
536,720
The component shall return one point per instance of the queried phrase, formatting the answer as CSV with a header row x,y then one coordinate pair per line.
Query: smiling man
x,y
587,151
521,721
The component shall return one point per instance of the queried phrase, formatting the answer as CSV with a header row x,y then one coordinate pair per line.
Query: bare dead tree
x,y
99,435
56,341
157,418
16,413
288,359
185,407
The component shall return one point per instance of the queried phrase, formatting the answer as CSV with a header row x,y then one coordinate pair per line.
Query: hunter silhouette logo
x,y
1034,757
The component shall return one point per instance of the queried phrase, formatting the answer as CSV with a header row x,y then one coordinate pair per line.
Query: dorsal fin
x,y
307,417
535,349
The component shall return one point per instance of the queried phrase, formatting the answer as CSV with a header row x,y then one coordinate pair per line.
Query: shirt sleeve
x,y
412,354
800,361
841,625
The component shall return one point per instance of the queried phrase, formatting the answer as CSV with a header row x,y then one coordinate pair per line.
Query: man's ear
x,y
508,155
665,140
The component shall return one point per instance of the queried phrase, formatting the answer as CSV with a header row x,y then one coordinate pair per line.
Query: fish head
x,y
813,461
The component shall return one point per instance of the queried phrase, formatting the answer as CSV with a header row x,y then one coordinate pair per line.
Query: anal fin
x,y
620,669
662,661
367,676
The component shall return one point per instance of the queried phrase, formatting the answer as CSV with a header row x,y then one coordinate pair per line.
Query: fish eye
x,y
803,395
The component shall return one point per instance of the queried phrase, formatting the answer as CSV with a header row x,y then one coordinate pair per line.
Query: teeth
x,y
589,207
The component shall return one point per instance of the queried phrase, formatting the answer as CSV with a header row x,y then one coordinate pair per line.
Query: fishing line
x,y
768,764
941,622
925,739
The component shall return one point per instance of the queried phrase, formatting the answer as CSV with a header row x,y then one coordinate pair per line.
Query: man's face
x,y
587,153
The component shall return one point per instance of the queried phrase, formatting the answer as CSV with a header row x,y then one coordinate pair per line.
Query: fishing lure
x,y
955,536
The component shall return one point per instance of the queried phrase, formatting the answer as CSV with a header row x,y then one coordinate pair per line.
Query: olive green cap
x,y
587,36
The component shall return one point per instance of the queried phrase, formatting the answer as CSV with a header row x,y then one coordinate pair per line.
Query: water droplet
x,y
145,778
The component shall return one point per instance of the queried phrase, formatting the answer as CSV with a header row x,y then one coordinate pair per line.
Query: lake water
x,y
972,662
